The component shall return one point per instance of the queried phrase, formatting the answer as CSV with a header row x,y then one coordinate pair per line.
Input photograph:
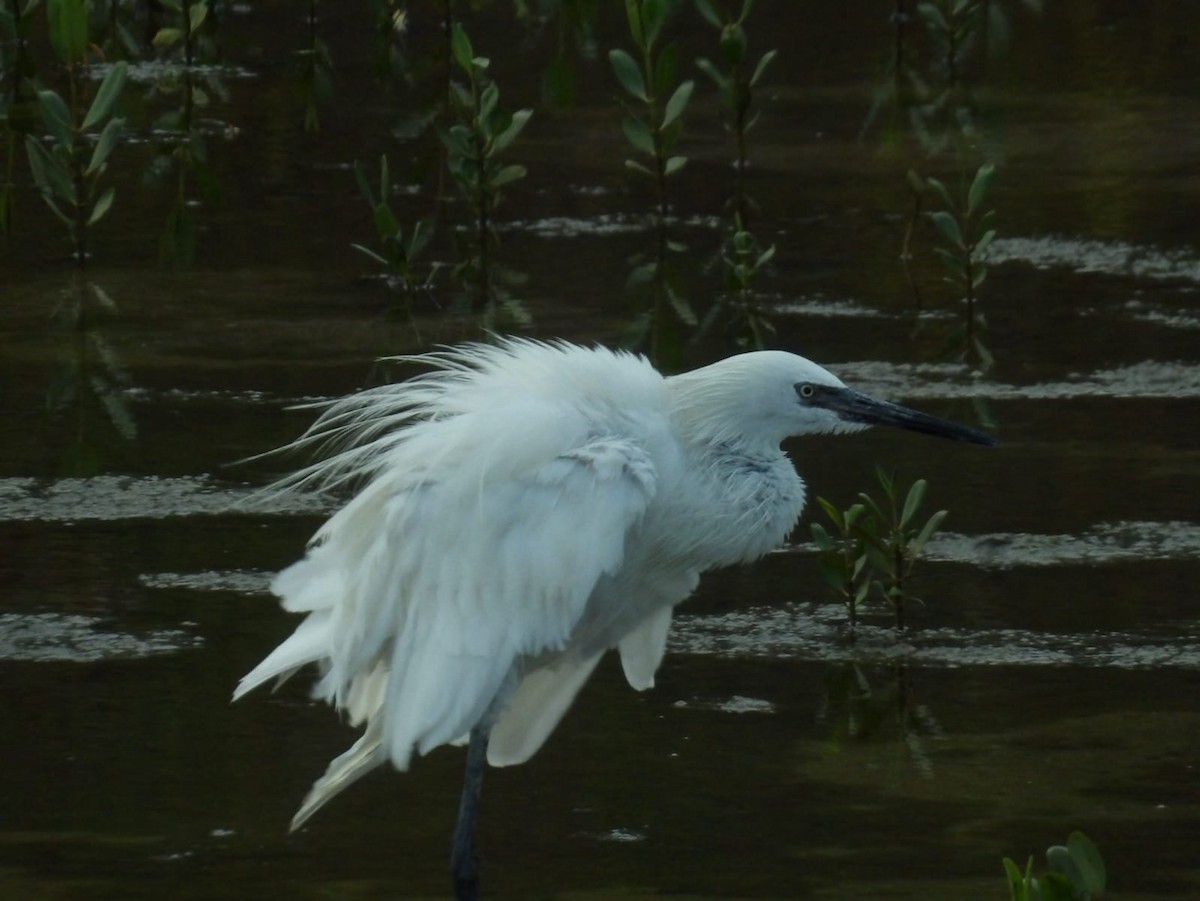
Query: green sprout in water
x,y
736,77
314,69
482,130
655,129
876,545
396,253
1077,873
965,230
893,540
653,124
68,166
842,557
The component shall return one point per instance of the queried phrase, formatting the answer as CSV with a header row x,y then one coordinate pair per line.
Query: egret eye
x,y
805,391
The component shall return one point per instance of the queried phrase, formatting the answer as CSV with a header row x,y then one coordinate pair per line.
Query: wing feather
x,y
492,501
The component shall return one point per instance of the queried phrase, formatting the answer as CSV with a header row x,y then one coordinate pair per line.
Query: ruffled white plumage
x,y
521,509
469,557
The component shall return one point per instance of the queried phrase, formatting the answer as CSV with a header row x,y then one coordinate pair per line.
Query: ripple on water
x,y
139,497
1145,379
812,632
73,638
1119,258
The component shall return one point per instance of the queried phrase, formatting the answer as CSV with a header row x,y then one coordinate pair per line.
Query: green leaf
x,y
979,251
104,146
666,70
167,37
197,13
832,574
460,46
68,21
642,275
639,135
674,164
56,116
633,13
1054,887
704,7
932,525
865,587
916,494
360,176
763,62
628,74
372,254
638,167
680,304
422,232
102,206
934,19
489,98
49,175
821,536
733,43
387,226
508,175
1089,862
941,191
718,77
832,512
509,134
947,226
954,264
107,95
654,15
980,187
1016,884
678,103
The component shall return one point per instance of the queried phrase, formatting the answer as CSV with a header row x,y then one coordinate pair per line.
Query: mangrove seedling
x,y
481,132
842,557
1077,873
396,253
893,540
874,546
736,77
653,124
68,166
653,121
965,230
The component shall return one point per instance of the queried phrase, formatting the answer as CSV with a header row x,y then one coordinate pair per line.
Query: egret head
x,y
772,395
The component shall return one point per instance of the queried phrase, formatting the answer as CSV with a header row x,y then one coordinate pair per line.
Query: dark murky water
x,y
1051,680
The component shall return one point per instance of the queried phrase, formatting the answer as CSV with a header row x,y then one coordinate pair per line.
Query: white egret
x,y
521,509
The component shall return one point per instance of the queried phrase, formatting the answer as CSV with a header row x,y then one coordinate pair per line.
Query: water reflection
x,y
87,392
877,705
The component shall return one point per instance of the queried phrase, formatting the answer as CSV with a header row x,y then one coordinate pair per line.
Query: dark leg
x,y
464,859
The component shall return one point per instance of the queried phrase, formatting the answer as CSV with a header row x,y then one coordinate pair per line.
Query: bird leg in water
x,y
464,858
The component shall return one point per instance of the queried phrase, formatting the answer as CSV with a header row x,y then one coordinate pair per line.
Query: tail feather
x,y
540,701
364,755
308,644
